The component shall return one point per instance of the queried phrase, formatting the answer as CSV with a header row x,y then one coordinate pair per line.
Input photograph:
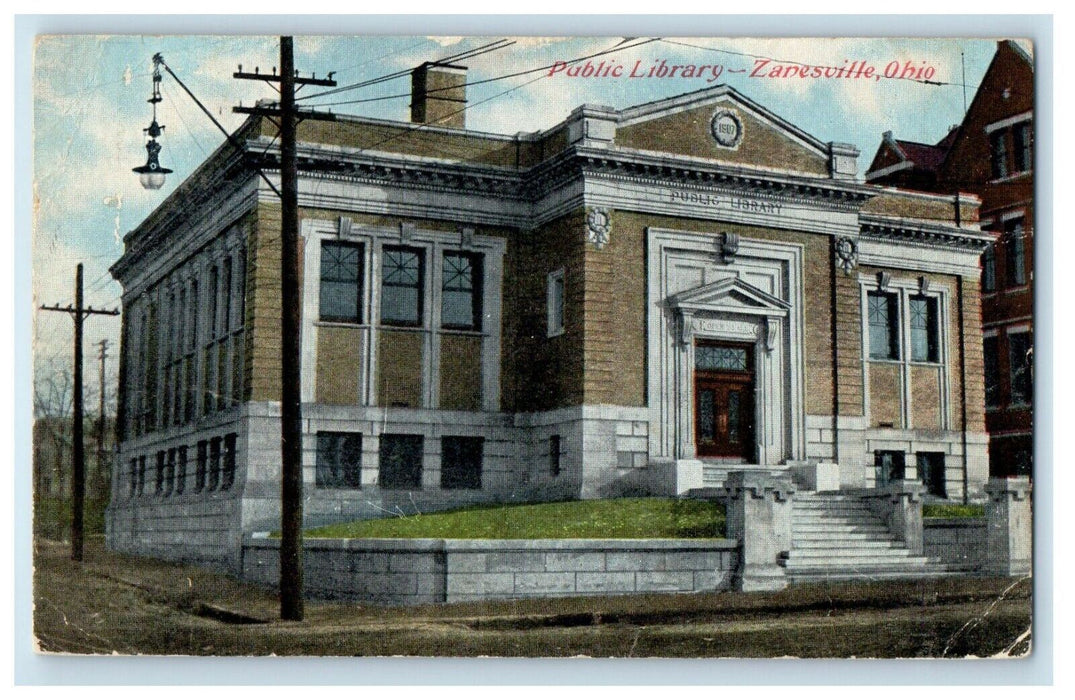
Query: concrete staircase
x,y
836,537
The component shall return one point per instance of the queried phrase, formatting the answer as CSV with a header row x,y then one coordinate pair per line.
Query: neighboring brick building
x,y
991,155
632,301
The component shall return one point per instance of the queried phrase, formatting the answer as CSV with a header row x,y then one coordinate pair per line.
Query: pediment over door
x,y
730,295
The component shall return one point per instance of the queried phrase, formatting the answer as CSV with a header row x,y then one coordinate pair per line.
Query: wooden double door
x,y
724,400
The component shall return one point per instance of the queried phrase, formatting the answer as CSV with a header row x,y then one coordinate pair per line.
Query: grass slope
x,y
623,518
952,510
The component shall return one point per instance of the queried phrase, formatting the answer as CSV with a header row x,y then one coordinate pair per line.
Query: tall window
x,y
141,475
461,463
998,145
341,281
191,361
462,291
554,298
214,301
402,273
180,342
1024,158
883,318
992,371
1015,252
1019,363
225,320
989,269
924,345
339,460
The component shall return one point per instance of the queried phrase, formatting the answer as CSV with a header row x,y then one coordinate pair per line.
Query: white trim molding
x,y
758,297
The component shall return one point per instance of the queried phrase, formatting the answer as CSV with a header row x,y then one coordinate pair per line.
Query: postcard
x,y
528,346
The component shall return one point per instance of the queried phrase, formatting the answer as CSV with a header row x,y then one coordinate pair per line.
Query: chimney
x,y
439,95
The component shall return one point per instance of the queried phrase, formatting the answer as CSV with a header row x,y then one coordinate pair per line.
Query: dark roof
x,y
926,156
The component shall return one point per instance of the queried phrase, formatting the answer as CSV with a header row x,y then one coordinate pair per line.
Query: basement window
x,y
400,458
890,466
461,462
554,455
158,482
214,463
181,470
132,478
169,473
339,460
931,472
141,475
227,476
203,463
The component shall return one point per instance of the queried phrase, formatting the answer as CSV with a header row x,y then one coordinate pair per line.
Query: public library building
x,y
634,301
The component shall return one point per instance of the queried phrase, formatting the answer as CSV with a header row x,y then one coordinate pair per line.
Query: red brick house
x,y
991,154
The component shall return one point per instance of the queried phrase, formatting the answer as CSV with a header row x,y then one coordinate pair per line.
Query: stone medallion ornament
x,y
727,128
598,227
847,253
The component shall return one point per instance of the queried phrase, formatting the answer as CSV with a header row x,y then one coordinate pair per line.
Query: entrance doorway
x,y
724,400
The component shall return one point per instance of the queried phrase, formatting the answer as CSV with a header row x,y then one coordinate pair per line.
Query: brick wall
x,y
542,373
688,133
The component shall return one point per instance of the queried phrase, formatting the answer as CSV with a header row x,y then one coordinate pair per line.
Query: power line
x,y
617,47
461,56
806,65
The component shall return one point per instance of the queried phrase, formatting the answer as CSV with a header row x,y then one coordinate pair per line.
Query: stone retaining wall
x,y
415,571
959,542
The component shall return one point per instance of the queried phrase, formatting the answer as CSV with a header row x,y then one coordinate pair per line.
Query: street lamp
x,y
151,175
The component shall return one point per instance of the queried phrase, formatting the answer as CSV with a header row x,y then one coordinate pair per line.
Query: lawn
x,y
952,510
623,518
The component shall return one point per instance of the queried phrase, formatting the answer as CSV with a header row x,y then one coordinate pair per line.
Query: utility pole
x,y
102,355
291,583
78,480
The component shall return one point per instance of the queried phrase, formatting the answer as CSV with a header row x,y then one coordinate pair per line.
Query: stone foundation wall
x,y
956,541
416,571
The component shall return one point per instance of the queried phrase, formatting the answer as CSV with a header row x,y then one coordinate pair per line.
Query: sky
x,y
90,92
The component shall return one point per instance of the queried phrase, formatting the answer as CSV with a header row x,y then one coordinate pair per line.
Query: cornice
x,y
879,227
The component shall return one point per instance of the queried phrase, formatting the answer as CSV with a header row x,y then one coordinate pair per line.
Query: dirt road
x,y
141,606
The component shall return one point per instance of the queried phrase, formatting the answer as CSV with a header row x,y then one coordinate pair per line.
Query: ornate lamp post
x,y
152,175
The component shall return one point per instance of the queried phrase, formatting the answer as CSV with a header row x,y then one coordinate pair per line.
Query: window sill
x,y
463,332
340,324
1011,177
